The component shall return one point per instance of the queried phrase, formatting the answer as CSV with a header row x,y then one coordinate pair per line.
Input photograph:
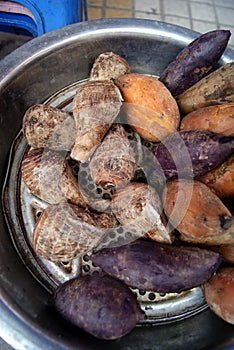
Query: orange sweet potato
x,y
219,293
219,119
221,179
227,251
150,108
197,213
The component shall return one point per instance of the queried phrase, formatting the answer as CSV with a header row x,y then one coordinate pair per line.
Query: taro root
x,y
65,231
48,127
218,119
158,267
197,213
215,89
49,177
221,179
113,164
109,65
101,306
219,293
96,104
139,208
186,154
150,108
194,61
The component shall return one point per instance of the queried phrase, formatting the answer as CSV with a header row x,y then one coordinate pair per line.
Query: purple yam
x,y
102,306
158,267
194,61
191,153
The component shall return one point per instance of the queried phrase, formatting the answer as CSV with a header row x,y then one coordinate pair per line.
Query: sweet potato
x,y
221,179
227,251
194,61
191,153
218,119
215,89
158,267
197,213
219,294
101,306
150,108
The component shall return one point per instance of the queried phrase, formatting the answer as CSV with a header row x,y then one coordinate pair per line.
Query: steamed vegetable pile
x,y
178,212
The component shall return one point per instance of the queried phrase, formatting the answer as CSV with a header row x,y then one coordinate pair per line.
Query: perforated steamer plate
x,y
22,210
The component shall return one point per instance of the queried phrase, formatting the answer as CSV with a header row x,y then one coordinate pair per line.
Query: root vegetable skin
x,y
197,213
219,293
191,153
158,267
64,231
221,179
194,61
215,89
96,104
150,108
109,65
227,251
48,127
138,206
101,306
218,119
113,164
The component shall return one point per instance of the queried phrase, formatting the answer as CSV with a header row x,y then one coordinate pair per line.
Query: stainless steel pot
x,y
32,74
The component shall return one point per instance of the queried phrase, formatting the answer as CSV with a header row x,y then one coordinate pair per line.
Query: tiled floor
x,y
199,15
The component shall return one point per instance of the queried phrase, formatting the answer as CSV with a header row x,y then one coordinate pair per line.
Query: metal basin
x,y
42,68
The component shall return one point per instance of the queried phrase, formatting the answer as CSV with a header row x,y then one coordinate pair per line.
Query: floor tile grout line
x,y
190,15
161,10
216,14
104,8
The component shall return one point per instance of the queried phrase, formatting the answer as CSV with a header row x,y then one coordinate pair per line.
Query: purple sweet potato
x,y
191,153
102,306
158,267
194,61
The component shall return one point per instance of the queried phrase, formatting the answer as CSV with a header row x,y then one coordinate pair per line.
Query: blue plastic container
x,y
46,15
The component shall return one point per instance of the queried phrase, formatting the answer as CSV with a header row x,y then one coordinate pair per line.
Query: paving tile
x,y
124,4
203,27
147,15
224,3
199,15
176,7
151,6
95,3
203,12
225,16
117,13
204,1
94,13
180,21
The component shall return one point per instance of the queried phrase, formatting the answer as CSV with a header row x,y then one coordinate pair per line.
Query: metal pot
x,y
32,74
